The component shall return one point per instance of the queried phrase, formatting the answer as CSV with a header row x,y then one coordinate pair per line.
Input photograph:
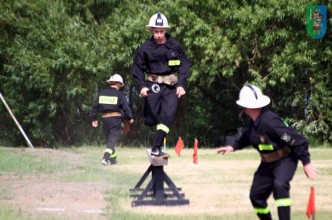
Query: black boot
x,y
284,213
113,161
157,152
265,216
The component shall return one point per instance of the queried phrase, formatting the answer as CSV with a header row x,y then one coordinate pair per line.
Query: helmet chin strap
x,y
253,90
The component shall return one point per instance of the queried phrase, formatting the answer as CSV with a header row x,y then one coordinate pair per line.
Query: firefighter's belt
x,y
276,155
111,114
170,79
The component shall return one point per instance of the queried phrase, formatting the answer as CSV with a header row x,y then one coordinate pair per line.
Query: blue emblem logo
x,y
316,20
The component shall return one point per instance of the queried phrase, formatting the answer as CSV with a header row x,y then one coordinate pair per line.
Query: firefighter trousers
x,y
112,130
160,109
273,178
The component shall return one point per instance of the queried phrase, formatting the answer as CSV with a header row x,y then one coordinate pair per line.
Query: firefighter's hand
x,y
310,171
126,126
225,150
94,124
180,91
144,92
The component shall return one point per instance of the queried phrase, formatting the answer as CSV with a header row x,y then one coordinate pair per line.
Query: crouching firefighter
x,y
113,104
280,148
160,68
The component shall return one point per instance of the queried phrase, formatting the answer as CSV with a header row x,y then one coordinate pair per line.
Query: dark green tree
x,y
55,55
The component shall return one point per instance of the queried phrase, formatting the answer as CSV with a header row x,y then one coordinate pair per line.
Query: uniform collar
x,y
112,88
260,117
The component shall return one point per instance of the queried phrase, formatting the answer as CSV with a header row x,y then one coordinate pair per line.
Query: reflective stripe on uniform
x,y
262,210
265,147
112,100
110,151
107,150
163,127
286,124
174,63
283,202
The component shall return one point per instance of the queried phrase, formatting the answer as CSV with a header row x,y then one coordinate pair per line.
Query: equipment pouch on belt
x,y
276,155
170,79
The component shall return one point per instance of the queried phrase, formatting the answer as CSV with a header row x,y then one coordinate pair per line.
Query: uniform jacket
x,y
269,130
154,58
110,100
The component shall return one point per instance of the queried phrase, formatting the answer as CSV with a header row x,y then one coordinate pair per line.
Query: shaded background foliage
x,y
55,56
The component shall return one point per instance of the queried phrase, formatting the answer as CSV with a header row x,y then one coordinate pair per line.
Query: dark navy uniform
x,y
112,104
280,148
160,60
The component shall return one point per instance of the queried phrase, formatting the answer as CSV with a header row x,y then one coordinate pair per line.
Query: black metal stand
x,y
155,191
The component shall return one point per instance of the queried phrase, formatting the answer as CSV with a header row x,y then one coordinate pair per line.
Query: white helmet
x,y
158,20
115,78
252,97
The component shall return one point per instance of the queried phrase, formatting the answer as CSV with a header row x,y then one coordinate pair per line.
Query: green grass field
x,y
70,183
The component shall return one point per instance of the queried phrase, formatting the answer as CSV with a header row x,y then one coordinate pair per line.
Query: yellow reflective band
x,y
265,147
286,124
283,202
163,127
113,100
113,155
110,151
174,63
262,210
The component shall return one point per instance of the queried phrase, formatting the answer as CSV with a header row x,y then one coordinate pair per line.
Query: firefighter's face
x,y
159,35
247,111
244,111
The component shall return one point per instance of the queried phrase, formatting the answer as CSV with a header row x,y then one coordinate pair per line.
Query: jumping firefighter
x,y
161,69
111,103
280,148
